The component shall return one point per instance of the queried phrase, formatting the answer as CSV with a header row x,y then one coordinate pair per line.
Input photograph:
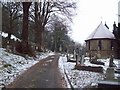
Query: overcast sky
x,y
89,15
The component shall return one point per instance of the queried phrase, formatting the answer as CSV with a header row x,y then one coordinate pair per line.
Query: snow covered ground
x,y
12,65
79,78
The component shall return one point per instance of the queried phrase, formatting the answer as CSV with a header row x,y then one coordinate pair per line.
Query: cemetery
x,y
102,57
35,43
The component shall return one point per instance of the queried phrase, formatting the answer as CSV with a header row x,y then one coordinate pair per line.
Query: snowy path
x,y
44,74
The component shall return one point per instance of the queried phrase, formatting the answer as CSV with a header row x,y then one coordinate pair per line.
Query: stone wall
x,y
105,50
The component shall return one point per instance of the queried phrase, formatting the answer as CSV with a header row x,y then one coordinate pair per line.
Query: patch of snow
x,y
13,65
62,70
4,34
87,63
49,60
117,76
117,62
40,56
14,37
78,78
86,58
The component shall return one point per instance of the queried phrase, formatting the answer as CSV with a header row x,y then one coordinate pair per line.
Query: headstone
x,y
67,57
8,48
74,54
36,48
98,55
77,51
110,70
111,61
82,59
94,58
110,73
76,60
60,48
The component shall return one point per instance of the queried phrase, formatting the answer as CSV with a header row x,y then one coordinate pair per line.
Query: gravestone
x,y
68,57
76,60
111,64
74,54
110,73
82,59
8,48
110,70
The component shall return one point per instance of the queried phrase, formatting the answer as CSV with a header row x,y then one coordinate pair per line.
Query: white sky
x,y
89,15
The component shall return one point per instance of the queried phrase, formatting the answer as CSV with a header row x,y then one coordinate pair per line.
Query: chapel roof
x,y
101,32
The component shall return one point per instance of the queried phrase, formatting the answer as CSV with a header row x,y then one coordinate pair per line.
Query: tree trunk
x,y
39,36
10,28
38,29
41,39
36,22
26,6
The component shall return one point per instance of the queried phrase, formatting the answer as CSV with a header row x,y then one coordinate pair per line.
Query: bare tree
x,y
12,9
26,6
45,9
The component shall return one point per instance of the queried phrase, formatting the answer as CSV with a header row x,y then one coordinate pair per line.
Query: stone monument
x,y
110,70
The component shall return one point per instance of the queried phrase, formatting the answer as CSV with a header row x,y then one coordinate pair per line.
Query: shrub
x,y
7,65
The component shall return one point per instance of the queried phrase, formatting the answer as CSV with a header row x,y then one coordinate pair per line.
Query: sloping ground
x,y
44,74
13,65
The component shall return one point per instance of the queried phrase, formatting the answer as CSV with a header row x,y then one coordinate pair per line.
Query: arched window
x,y
89,45
99,45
